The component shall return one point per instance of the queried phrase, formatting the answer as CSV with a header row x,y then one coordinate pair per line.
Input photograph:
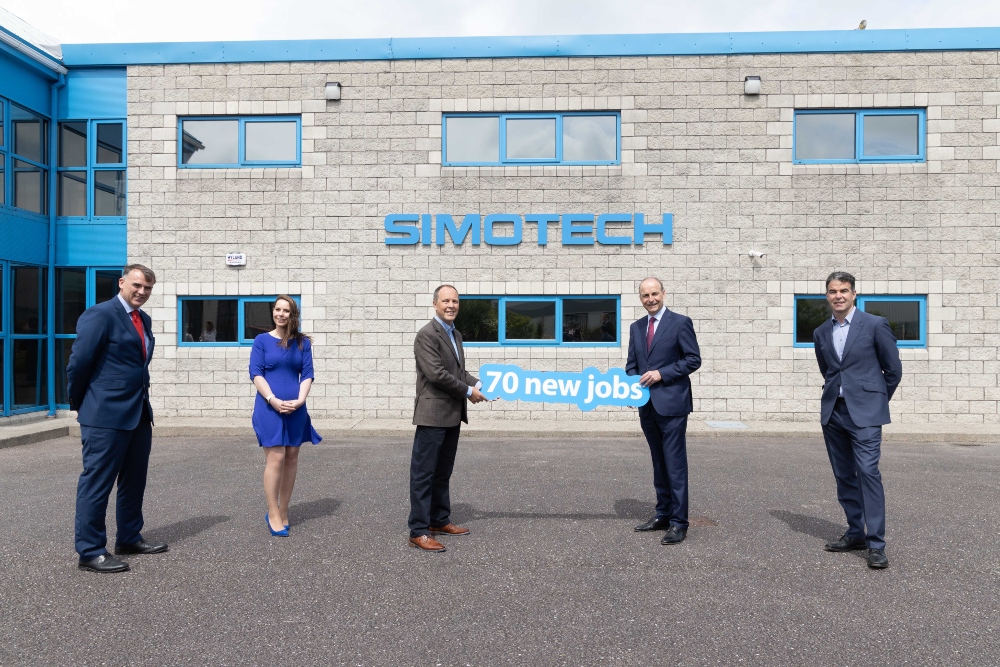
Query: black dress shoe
x,y
104,563
141,547
653,524
674,535
846,543
877,560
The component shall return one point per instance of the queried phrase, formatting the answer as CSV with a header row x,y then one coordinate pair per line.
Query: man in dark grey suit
x,y
443,387
858,358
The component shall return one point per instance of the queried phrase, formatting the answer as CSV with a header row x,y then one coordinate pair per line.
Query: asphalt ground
x,y
552,573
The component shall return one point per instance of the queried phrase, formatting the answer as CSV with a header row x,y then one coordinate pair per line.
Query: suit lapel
x,y
660,328
126,320
830,348
852,333
447,341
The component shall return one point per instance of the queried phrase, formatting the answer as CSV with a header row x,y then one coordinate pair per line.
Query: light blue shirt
x,y
840,331
129,309
656,319
450,330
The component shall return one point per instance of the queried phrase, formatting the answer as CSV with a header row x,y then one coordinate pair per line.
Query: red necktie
x,y
137,321
649,332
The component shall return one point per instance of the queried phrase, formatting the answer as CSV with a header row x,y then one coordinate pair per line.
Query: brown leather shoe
x,y
451,529
426,543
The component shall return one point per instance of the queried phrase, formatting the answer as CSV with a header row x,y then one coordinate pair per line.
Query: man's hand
x,y
650,378
477,396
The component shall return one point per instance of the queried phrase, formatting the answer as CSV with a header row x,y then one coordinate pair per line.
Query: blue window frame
x,y
24,159
568,321
220,142
92,179
907,315
860,136
23,338
224,321
570,138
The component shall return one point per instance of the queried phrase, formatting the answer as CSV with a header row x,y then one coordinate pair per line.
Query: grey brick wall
x,y
692,145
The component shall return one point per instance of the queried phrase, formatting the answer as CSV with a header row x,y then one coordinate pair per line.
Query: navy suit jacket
x,y
108,378
870,370
674,353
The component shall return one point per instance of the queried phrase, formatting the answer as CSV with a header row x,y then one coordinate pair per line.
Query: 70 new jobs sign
x,y
508,229
586,390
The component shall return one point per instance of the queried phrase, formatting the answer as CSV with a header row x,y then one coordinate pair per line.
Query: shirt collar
x,y
448,328
128,308
659,314
850,316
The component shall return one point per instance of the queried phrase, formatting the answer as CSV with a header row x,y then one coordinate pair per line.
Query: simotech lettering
x,y
508,229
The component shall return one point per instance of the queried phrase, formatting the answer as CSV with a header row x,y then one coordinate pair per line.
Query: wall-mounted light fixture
x,y
751,85
333,90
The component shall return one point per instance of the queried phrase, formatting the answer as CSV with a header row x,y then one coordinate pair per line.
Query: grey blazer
x,y
869,372
442,381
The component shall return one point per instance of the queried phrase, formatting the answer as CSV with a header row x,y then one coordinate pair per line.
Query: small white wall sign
x,y
236,259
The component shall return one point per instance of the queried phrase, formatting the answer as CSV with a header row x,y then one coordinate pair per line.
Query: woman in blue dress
x,y
281,368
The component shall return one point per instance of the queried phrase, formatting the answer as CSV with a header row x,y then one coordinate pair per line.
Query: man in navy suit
x,y
663,349
858,358
108,375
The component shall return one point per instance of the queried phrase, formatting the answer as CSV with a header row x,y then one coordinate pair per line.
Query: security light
x,y
333,90
751,85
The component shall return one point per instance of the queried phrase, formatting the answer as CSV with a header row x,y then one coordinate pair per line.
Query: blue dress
x,y
284,371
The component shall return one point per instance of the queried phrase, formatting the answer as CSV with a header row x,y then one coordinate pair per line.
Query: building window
x,y
531,138
221,320
585,321
860,136
77,288
91,180
23,345
24,159
907,316
251,141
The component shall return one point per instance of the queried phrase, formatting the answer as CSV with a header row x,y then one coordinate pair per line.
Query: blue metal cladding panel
x,y
723,43
24,85
91,244
94,93
23,238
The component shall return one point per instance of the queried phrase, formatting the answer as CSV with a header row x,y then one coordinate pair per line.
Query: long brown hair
x,y
292,330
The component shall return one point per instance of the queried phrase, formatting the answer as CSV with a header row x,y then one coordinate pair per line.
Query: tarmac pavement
x,y
552,573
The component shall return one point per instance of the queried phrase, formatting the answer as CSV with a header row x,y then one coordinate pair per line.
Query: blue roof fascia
x,y
416,48
46,67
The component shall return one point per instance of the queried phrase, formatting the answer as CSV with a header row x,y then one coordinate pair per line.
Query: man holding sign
x,y
663,349
443,387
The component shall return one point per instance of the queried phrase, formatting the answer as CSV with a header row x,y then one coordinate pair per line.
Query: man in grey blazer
x,y
858,358
443,387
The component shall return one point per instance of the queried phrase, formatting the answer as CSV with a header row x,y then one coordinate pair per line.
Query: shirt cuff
x,y
468,392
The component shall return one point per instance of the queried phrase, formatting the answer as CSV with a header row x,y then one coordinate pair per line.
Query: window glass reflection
x,y
2,135
257,318
109,143
472,139
478,320
3,182
824,136
30,373
106,285
109,193
210,142
63,348
209,320
29,187
530,320
73,144
891,135
28,131
903,316
531,138
590,321
28,292
71,299
809,314
590,138
72,193
272,141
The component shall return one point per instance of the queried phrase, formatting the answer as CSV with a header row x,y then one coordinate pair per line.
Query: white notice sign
x,y
236,259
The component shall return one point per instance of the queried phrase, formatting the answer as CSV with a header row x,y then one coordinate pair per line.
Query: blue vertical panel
x,y
91,244
24,239
23,84
94,93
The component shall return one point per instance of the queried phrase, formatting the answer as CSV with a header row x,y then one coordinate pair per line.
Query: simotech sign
x,y
508,229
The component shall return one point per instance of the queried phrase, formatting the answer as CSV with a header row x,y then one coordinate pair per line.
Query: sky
x,y
93,21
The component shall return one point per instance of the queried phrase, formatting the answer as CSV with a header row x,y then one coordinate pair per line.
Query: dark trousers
x,y
433,459
668,448
854,455
109,456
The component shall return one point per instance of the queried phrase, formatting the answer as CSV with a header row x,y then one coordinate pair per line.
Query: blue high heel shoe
x,y
275,533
